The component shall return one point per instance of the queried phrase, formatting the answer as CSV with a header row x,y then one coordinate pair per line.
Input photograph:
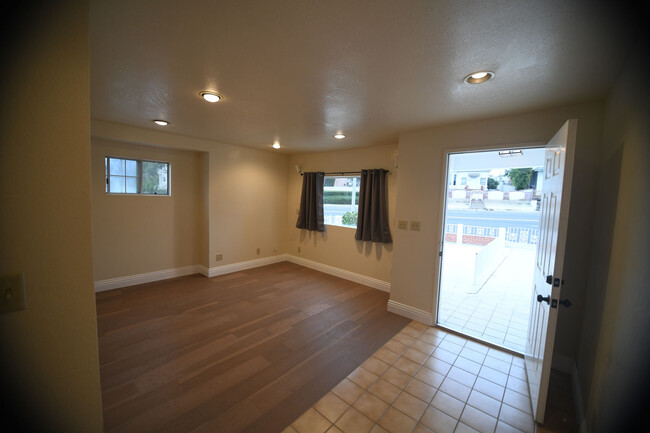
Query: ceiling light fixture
x,y
161,122
339,136
210,96
478,77
276,145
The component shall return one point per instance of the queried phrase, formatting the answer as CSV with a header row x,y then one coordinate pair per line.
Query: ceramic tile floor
x,y
426,380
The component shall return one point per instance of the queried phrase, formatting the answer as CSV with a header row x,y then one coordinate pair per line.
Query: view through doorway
x,y
491,227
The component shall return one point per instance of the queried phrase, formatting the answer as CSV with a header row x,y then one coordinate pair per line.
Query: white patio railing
x,y
514,235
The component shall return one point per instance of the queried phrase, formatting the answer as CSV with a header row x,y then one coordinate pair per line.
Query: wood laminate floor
x,y
244,352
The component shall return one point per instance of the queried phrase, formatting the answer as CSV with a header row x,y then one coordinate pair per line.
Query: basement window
x,y
341,200
136,176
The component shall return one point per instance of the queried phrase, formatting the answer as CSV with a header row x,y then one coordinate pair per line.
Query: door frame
x,y
446,151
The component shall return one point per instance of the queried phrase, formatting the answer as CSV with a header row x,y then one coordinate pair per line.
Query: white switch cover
x,y
12,293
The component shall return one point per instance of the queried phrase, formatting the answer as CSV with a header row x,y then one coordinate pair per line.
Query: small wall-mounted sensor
x,y
298,169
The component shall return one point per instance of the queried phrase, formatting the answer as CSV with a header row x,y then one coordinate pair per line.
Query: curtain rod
x,y
342,172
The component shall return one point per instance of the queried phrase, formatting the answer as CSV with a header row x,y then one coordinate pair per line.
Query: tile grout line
x,y
436,347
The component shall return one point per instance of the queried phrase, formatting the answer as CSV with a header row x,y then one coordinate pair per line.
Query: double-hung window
x,y
341,200
136,176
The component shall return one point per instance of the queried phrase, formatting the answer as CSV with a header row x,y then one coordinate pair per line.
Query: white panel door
x,y
549,261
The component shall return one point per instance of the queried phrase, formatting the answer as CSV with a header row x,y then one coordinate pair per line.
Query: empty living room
x,y
241,216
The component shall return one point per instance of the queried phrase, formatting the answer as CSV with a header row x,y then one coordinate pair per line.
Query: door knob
x,y
565,302
541,298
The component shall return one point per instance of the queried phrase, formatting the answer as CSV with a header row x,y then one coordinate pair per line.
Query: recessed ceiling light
x,y
276,145
210,96
339,136
161,122
479,77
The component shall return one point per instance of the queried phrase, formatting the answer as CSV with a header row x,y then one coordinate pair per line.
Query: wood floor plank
x,y
248,351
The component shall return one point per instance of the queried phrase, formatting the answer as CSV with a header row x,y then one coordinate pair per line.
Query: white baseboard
x,y
242,266
131,280
410,312
567,365
148,277
341,273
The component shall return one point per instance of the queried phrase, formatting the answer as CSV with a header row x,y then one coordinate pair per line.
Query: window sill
x,y
344,227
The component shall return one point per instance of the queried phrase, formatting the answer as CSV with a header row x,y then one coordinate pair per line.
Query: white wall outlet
x,y
415,226
12,293
402,224
219,257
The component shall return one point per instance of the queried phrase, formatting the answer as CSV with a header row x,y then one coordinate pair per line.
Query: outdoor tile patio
x,y
498,311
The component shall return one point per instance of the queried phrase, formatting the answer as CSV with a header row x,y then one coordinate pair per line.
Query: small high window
x,y
136,176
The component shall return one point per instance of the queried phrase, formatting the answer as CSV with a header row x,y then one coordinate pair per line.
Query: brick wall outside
x,y
469,239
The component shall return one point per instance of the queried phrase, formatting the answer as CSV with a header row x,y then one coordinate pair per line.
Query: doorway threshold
x,y
479,340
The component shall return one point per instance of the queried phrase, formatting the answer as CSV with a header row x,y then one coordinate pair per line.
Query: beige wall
x,y
48,355
246,192
614,351
420,185
336,246
134,234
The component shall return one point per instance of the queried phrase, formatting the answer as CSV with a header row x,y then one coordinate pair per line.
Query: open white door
x,y
549,261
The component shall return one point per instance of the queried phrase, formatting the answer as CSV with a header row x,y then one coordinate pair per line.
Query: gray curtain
x,y
372,223
310,215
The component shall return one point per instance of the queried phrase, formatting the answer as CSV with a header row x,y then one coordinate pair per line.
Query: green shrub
x,y
492,183
339,197
350,219
520,177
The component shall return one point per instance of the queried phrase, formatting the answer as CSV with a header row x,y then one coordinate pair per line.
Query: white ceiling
x,y
301,70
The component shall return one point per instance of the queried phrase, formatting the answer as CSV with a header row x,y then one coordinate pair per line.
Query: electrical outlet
x,y
275,249
219,257
402,224
12,293
415,226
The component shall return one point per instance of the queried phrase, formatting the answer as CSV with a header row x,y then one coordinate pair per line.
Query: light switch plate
x,y
12,293
402,224
415,225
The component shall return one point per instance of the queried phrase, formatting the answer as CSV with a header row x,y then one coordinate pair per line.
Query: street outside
x,y
483,218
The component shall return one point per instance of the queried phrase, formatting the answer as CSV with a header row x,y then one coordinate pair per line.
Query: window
x,y
484,181
341,200
135,176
